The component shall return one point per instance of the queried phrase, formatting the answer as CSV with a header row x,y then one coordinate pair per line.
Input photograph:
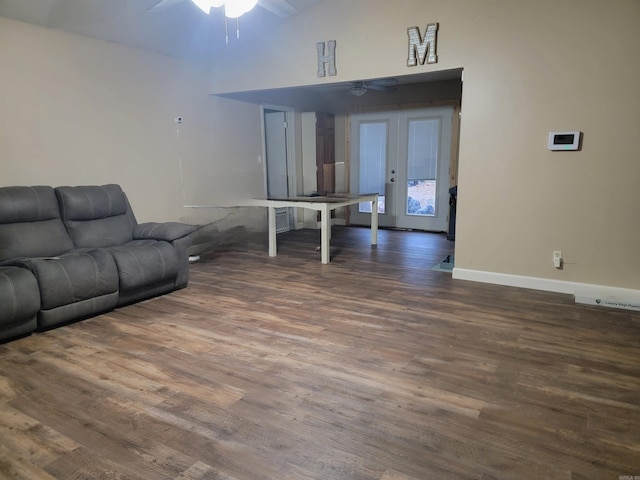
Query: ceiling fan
x,y
360,87
233,8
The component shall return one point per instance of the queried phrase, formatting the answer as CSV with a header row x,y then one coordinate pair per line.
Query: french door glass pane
x,y
365,207
373,162
422,151
422,162
421,197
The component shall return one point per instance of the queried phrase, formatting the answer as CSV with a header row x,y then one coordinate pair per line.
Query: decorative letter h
x,y
330,58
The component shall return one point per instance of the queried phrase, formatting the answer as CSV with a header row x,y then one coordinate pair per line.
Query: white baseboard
x,y
585,293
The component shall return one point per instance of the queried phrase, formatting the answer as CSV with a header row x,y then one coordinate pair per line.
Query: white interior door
x,y
403,156
276,153
278,168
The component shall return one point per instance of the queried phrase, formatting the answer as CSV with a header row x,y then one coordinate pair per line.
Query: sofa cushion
x,y
19,296
96,216
103,233
75,276
145,262
30,224
35,239
91,202
27,204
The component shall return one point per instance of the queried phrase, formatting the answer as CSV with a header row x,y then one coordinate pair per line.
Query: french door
x,y
403,156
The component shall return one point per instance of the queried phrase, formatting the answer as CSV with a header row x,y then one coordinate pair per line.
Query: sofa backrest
x,y
96,216
30,224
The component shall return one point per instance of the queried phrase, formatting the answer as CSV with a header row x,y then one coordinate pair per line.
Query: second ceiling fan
x,y
360,87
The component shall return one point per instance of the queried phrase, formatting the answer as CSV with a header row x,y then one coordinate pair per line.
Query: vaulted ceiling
x,y
175,27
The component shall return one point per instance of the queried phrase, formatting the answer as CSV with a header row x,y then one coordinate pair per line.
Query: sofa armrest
x,y
167,231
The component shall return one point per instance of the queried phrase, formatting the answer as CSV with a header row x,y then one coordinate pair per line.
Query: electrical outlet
x,y
557,259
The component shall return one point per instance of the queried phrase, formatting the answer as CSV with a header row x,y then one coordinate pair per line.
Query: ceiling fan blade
x,y
380,88
281,8
384,81
163,5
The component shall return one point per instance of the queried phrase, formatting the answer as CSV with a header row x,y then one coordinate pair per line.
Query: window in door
x,y
373,161
422,166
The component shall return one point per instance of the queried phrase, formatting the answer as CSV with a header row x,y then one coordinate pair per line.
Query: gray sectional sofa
x,y
68,253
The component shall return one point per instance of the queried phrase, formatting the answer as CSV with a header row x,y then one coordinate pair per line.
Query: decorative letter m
x,y
424,49
329,58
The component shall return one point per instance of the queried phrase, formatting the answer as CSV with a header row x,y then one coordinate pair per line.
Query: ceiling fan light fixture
x,y
237,8
232,8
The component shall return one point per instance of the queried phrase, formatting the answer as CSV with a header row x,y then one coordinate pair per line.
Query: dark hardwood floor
x,y
374,367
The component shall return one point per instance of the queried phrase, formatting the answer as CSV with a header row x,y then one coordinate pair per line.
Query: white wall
x,y
529,67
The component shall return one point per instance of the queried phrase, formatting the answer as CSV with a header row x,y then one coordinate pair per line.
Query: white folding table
x,y
322,204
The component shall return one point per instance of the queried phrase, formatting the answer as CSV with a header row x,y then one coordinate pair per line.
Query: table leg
x,y
325,233
374,222
273,247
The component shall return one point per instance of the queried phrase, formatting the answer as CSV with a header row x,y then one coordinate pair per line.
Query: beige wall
x,y
529,68
76,111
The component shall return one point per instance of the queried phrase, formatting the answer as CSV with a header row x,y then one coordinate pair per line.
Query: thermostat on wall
x,y
564,140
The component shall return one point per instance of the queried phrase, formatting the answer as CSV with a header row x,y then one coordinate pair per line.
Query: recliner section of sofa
x,y
149,263
84,251
72,283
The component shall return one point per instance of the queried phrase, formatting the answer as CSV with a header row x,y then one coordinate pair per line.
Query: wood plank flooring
x,y
374,367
